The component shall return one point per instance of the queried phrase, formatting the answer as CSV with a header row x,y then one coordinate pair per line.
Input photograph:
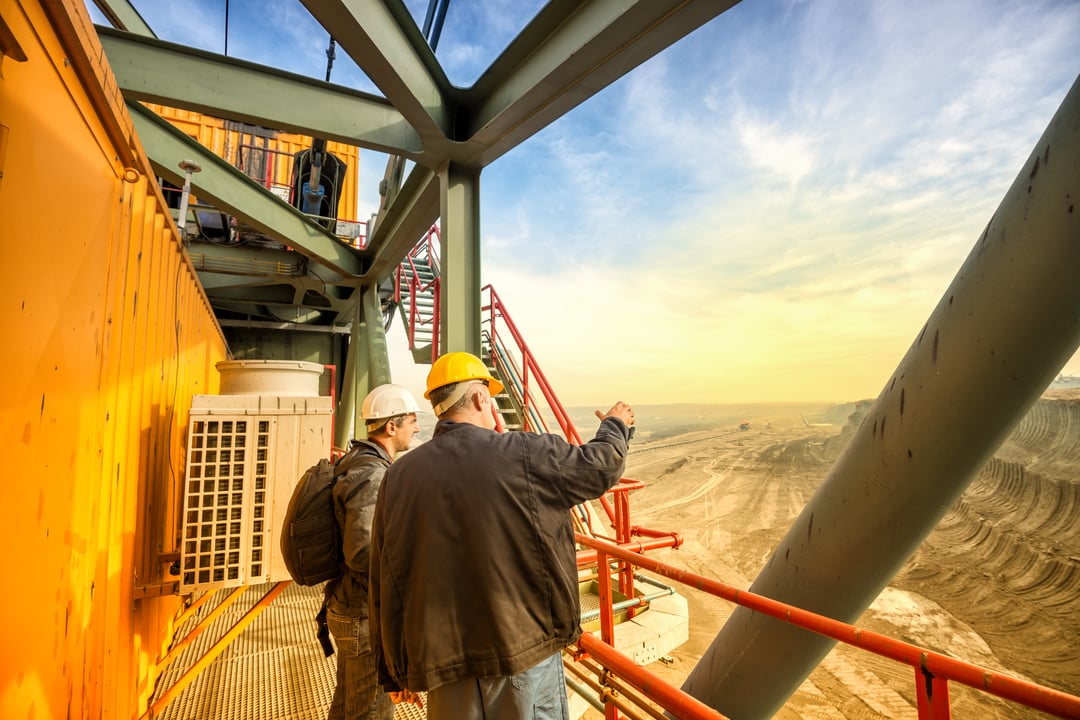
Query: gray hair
x,y
440,395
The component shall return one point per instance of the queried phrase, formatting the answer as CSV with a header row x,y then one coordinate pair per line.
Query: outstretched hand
x,y
619,410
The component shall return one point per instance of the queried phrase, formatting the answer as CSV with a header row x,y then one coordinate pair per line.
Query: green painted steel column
x,y
354,373
367,365
1001,332
378,356
460,256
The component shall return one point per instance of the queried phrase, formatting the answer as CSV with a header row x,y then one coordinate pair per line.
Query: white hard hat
x,y
386,401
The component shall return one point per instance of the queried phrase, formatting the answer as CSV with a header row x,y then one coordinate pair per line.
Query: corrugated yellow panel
x,y
268,160
108,336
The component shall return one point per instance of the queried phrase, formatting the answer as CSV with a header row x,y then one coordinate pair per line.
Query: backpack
x,y
311,542
311,537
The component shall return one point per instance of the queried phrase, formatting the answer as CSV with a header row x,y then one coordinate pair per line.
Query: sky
x,y
767,211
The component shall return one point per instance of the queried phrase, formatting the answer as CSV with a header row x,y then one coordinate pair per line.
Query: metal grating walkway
x,y
274,670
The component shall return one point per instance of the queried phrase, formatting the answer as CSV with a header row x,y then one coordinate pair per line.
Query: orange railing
x,y
933,671
528,367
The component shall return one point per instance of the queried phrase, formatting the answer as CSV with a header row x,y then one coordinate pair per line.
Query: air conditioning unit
x,y
247,447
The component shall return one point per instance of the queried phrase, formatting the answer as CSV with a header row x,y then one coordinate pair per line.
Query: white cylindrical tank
x,y
282,378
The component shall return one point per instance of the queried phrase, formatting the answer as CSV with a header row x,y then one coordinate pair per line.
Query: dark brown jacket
x,y
361,473
473,563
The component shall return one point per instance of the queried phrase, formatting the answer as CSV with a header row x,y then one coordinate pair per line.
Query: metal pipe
x,y
654,583
624,604
189,167
677,703
928,664
588,557
1000,334
603,691
585,693
628,692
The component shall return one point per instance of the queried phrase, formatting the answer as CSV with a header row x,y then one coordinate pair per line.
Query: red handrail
x,y
497,310
415,287
675,701
930,667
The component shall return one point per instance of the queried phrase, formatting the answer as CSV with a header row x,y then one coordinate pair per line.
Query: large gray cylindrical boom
x,y
1003,329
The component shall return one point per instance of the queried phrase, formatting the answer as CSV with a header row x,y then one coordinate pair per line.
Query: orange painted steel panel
x,y
236,147
109,335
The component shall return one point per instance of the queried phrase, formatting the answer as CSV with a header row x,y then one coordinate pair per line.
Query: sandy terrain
x,y
996,584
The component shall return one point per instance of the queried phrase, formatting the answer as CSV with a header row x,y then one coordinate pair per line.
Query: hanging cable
x,y
433,21
329,59
226,27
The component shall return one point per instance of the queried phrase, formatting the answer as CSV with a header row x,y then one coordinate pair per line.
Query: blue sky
x,y
767,211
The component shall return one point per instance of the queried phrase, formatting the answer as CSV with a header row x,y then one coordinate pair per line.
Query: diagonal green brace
x,y
231,191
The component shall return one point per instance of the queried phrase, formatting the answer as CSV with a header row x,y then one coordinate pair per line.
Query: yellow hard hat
x,y
457,367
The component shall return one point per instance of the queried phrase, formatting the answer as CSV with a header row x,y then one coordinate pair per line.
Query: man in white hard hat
x,y
389,413
474,584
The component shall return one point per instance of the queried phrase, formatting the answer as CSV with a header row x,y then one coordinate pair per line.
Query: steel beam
x,y
175,75
414,210
382,38
123,15
347,423
999,335
375,336
229,190
568,53
460,255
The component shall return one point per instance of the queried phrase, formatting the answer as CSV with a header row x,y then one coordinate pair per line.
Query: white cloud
x,y
787,155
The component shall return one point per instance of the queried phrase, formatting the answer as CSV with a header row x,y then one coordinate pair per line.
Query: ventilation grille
x,y
242,466
225,509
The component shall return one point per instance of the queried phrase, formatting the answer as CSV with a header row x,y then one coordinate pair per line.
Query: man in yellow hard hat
x,y
389,413
474,589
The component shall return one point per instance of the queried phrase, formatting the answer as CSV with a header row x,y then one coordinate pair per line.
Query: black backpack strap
x,y
323,631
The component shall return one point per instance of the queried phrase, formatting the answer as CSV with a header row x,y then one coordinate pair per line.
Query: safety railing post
x,y
622,536
932,696
525,360
436,320
607,618
410,330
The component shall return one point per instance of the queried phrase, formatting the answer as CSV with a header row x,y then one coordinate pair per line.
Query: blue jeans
x,y
538,693
358,694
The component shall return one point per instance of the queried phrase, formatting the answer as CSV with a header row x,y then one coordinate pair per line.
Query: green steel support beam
x,y
229,190
568,53
367,365
415,209
355,375
384,41
388,190
124,16
175,75
460,254
378,355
